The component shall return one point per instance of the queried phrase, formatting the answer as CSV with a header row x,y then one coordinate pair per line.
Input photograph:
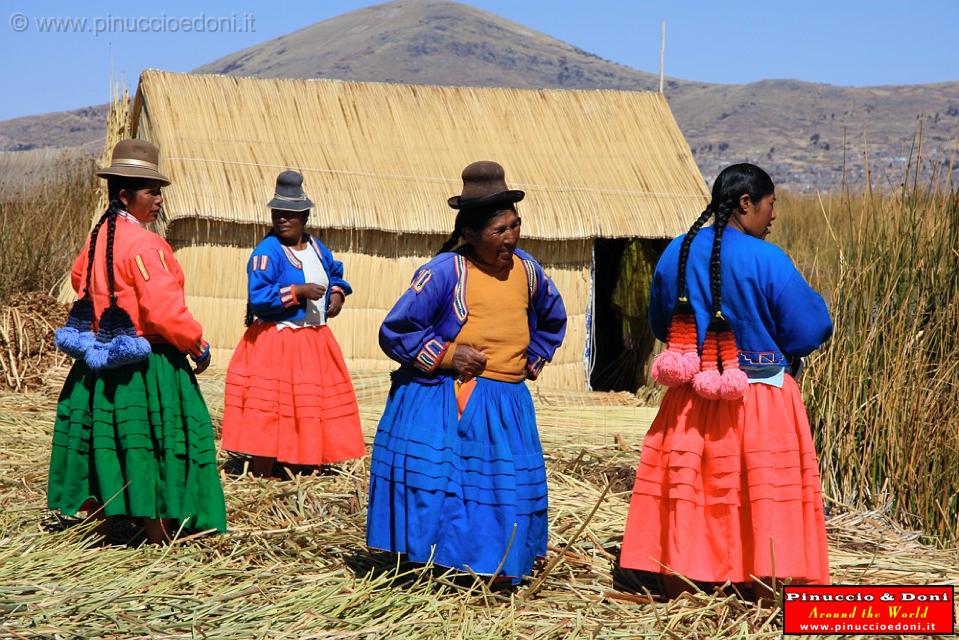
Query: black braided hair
x,y
113,208
684,249
731,184
475,219
111,279
723,212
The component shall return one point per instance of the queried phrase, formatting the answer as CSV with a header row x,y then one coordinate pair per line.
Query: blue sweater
x,y
774,313
274,269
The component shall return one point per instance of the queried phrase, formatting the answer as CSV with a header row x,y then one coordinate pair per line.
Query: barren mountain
x,y
794,129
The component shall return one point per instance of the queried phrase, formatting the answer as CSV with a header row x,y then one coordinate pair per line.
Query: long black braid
x,y
111,279
723,212
684,249
113,209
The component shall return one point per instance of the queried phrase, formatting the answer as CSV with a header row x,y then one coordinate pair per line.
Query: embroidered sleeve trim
x,y
531,279
420,280
459,293
288,296
163,260
259,263
142,267
431,355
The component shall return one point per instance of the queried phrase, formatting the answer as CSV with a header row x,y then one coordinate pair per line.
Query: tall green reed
x,y
883,394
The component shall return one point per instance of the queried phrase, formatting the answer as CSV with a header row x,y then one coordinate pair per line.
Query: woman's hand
x,y
309,291
468,362
336,304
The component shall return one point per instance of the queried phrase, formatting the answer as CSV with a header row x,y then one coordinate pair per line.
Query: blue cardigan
x,y
429,315
774,313
274,269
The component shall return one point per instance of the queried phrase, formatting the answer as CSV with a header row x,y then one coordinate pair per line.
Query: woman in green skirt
x,y
133,435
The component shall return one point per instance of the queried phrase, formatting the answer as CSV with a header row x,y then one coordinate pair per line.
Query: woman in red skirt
x,y
728,485
289,397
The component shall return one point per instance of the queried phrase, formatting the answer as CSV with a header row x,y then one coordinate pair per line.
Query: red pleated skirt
x,y
289,396
726,490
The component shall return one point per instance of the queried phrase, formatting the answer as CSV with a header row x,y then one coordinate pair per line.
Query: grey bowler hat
x,y
289,194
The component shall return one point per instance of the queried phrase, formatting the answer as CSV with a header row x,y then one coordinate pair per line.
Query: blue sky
x,y
844,42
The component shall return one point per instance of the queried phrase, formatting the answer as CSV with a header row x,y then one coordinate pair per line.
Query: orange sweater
x,y
497,324
149,285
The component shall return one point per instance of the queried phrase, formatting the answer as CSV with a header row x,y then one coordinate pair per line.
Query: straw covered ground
x,y
294,563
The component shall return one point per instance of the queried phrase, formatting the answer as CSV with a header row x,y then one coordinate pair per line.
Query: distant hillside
x,y
794,129
79,128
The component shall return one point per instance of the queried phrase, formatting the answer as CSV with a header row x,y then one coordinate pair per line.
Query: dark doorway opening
x,y
622,342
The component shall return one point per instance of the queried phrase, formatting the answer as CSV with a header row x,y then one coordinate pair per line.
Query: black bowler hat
x,y
289,194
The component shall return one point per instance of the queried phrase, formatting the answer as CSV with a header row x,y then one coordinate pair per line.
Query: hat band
x,y
289,199
130,162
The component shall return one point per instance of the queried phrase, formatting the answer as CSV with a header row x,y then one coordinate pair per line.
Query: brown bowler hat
x,y
484,185
135,159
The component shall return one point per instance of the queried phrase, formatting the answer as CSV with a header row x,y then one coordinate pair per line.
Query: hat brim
x,y
503,197
134,172
286,205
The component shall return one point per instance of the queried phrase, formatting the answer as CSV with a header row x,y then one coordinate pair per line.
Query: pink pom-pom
x,y
672,368
733,384
707,384
692,363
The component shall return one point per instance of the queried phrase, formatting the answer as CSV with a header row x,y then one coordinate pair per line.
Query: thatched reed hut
x,y
380,160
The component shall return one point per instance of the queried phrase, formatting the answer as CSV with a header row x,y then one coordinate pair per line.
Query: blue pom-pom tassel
x,y
97,355
72,342
76,337
117,343
125,349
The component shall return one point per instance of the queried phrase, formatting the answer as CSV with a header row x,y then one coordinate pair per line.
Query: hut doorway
x,y
622,342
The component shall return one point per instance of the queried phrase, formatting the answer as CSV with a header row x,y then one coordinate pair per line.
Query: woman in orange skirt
x,y
728,485
289,397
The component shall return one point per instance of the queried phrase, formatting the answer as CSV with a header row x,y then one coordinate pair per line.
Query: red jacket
x,y
149,285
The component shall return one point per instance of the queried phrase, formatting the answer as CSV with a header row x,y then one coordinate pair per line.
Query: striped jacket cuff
x,y
200,351
288,296
431,355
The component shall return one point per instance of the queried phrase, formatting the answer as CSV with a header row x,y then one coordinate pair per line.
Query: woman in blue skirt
x,y
457,475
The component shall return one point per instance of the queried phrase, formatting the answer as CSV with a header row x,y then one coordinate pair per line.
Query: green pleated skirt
x,y
139,440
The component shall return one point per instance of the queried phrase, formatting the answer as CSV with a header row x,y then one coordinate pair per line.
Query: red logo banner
x,y
868,610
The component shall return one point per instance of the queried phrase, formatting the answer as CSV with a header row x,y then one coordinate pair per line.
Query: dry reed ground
x,y
294,563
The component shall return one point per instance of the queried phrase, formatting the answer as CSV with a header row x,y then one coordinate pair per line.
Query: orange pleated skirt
x,y
289,396
726,490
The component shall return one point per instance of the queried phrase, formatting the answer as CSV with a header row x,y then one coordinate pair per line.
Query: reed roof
x,y
387,156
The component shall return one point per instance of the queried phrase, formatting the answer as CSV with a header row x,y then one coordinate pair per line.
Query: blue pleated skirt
x,y
452,490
